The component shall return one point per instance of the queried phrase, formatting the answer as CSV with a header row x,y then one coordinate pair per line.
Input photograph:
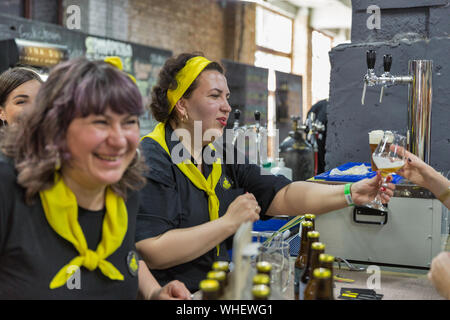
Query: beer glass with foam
x,y
374,139
389,157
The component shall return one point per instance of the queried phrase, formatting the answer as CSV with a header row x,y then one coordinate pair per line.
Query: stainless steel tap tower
x,y
419,83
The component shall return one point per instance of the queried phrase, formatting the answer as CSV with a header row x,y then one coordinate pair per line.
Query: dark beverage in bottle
x,y
313,236
260,292
300,262
326,261
317,248
210,289
323,287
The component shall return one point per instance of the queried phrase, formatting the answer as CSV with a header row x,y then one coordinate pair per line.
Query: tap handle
x,y
237,114
257,115
387,62
371,56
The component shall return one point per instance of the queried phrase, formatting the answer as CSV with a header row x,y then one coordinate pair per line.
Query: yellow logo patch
x,y
133,264
226,184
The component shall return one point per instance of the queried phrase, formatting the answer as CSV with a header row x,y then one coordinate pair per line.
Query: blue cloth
x,y
353,178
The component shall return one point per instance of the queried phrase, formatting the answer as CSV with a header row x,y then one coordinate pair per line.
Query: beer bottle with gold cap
x,y
222,266
261,278
260,292
220,276
323,287
326,261
311,217
300,262
313,236
210,289
317,248
264,267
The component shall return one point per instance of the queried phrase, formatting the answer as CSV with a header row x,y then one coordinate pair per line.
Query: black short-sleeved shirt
x,y
170,201
31,252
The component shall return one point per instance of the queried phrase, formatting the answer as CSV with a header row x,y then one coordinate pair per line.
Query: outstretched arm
x,y
306,197
425,176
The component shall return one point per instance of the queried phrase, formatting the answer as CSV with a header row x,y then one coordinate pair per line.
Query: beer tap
x,y
370,77
386,79
387,63
419,81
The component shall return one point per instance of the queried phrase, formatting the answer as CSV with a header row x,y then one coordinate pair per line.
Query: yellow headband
x,y
117,62
185,77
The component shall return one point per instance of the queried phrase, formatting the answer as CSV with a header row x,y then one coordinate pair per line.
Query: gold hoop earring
x,y
185,118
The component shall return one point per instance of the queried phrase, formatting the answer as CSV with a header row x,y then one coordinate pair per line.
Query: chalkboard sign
x,y
248,88
143,62
288,101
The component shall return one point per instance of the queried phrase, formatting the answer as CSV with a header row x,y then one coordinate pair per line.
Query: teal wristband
x,y
348,194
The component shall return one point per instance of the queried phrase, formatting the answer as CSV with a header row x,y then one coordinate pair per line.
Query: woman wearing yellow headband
x,y
68,191
194,201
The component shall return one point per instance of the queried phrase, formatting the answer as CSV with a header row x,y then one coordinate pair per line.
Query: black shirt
x,y
31,252
170,201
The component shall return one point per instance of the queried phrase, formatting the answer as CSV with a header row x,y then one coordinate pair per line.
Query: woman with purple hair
x,y
68,191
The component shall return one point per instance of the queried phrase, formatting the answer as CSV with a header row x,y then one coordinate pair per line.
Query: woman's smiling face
x,y
101,148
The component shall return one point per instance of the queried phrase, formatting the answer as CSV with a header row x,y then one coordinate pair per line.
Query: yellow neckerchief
x,y
191,171
185,77
61,210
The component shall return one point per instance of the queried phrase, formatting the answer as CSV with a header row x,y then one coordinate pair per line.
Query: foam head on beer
x,y
375,136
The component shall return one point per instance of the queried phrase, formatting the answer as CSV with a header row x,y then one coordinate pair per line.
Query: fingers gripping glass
x,y
389,157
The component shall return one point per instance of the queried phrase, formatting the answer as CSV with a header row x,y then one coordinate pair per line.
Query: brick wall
x,y
218,29
180,26
45,11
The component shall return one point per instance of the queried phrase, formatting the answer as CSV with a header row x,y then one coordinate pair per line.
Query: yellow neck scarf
x,y
191,171
61,210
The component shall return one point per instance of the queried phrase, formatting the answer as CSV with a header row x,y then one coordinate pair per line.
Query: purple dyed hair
x,y
76,88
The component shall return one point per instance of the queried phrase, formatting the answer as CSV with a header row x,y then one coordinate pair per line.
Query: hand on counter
x,y
174,290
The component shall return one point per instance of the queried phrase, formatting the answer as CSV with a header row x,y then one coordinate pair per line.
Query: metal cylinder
x,y
419,108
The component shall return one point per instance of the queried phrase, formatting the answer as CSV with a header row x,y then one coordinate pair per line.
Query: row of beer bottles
x,y
313,268
216,282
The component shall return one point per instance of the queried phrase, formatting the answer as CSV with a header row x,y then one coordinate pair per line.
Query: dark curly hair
x,y
76,88
159,103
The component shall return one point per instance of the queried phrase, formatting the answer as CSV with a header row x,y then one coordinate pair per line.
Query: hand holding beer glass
x,y
388,157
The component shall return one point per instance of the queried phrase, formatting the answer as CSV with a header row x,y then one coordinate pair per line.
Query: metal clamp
x,y
369,212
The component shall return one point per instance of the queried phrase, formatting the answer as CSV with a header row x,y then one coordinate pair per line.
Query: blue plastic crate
x,y
353,178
